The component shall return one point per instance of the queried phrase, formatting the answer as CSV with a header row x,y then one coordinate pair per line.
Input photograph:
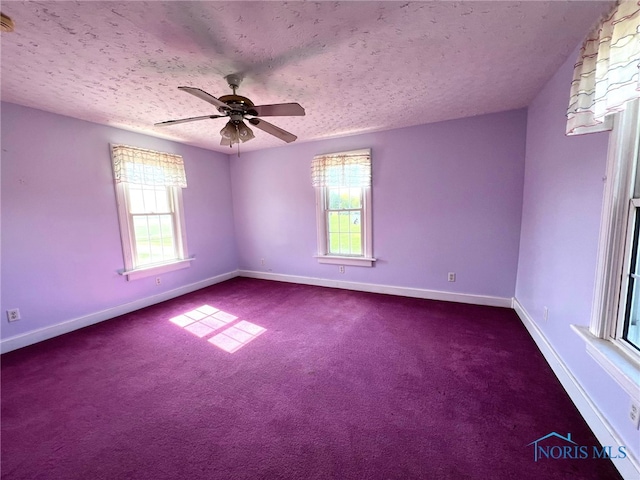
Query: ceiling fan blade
x,y
278,110
185,120
272,129
202,95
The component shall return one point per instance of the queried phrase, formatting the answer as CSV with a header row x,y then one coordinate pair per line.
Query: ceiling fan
x,y
238,109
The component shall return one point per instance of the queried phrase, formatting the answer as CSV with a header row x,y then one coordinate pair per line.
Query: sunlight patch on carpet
x,y
199,329
237,336
206,319
182,320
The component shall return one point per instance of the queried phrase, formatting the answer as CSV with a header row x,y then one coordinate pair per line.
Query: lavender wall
x,y
559,238
61,248
446,198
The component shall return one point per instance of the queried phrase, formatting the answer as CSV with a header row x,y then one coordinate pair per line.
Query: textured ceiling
x,y
354,66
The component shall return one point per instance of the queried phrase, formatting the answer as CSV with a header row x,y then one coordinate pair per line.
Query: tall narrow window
x,y
343,200
149,191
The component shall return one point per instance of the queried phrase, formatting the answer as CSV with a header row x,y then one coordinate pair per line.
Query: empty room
x,y
320,240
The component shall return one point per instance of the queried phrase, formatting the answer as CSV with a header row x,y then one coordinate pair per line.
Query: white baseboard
x,y
628,467
386,289
35,336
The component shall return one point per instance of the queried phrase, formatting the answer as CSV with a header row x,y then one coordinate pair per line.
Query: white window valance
x,y
607,74
147,167
345,169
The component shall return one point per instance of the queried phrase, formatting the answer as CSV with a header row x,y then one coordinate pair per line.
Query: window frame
x,y
127,237
604,336
323,256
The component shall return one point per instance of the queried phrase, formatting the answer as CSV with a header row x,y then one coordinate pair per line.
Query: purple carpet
x,y
322,383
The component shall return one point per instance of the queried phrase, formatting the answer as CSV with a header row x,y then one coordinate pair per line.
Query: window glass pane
x,y
334,175
354,220
168,244
333,223
141,240
162,200
334,198
345,244
631,331
149,200
344,221
356,244
344,198
355,197
136,201
334,243
155,239
632,321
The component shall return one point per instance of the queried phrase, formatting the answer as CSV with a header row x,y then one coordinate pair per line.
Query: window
x,y
152,219
613,337
149,192
343,201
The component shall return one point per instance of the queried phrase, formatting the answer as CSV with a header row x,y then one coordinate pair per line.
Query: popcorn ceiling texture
x,y
354,66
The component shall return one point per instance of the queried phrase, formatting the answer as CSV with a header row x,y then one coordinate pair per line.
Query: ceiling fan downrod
x,y
233,81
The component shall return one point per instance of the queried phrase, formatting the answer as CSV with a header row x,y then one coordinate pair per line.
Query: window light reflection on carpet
x,y
237,336
206,319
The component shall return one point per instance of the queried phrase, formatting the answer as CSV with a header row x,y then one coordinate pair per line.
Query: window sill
x,y
157,269
622,368
351,261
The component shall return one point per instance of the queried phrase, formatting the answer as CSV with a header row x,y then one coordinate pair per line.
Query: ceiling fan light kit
x,y
234,132
236,108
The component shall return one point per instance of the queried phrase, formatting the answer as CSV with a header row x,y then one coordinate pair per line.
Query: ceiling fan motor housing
x,y
237,103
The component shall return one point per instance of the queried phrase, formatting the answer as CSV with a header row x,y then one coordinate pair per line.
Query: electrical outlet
x,y
341,268
262,261
634,414
158,281
545,314
13,314
451,277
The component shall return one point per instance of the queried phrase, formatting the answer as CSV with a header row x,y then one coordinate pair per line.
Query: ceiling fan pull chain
x,y
237,131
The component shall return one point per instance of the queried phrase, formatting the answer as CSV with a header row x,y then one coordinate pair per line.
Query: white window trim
x,y
126,237
367,259
603,339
